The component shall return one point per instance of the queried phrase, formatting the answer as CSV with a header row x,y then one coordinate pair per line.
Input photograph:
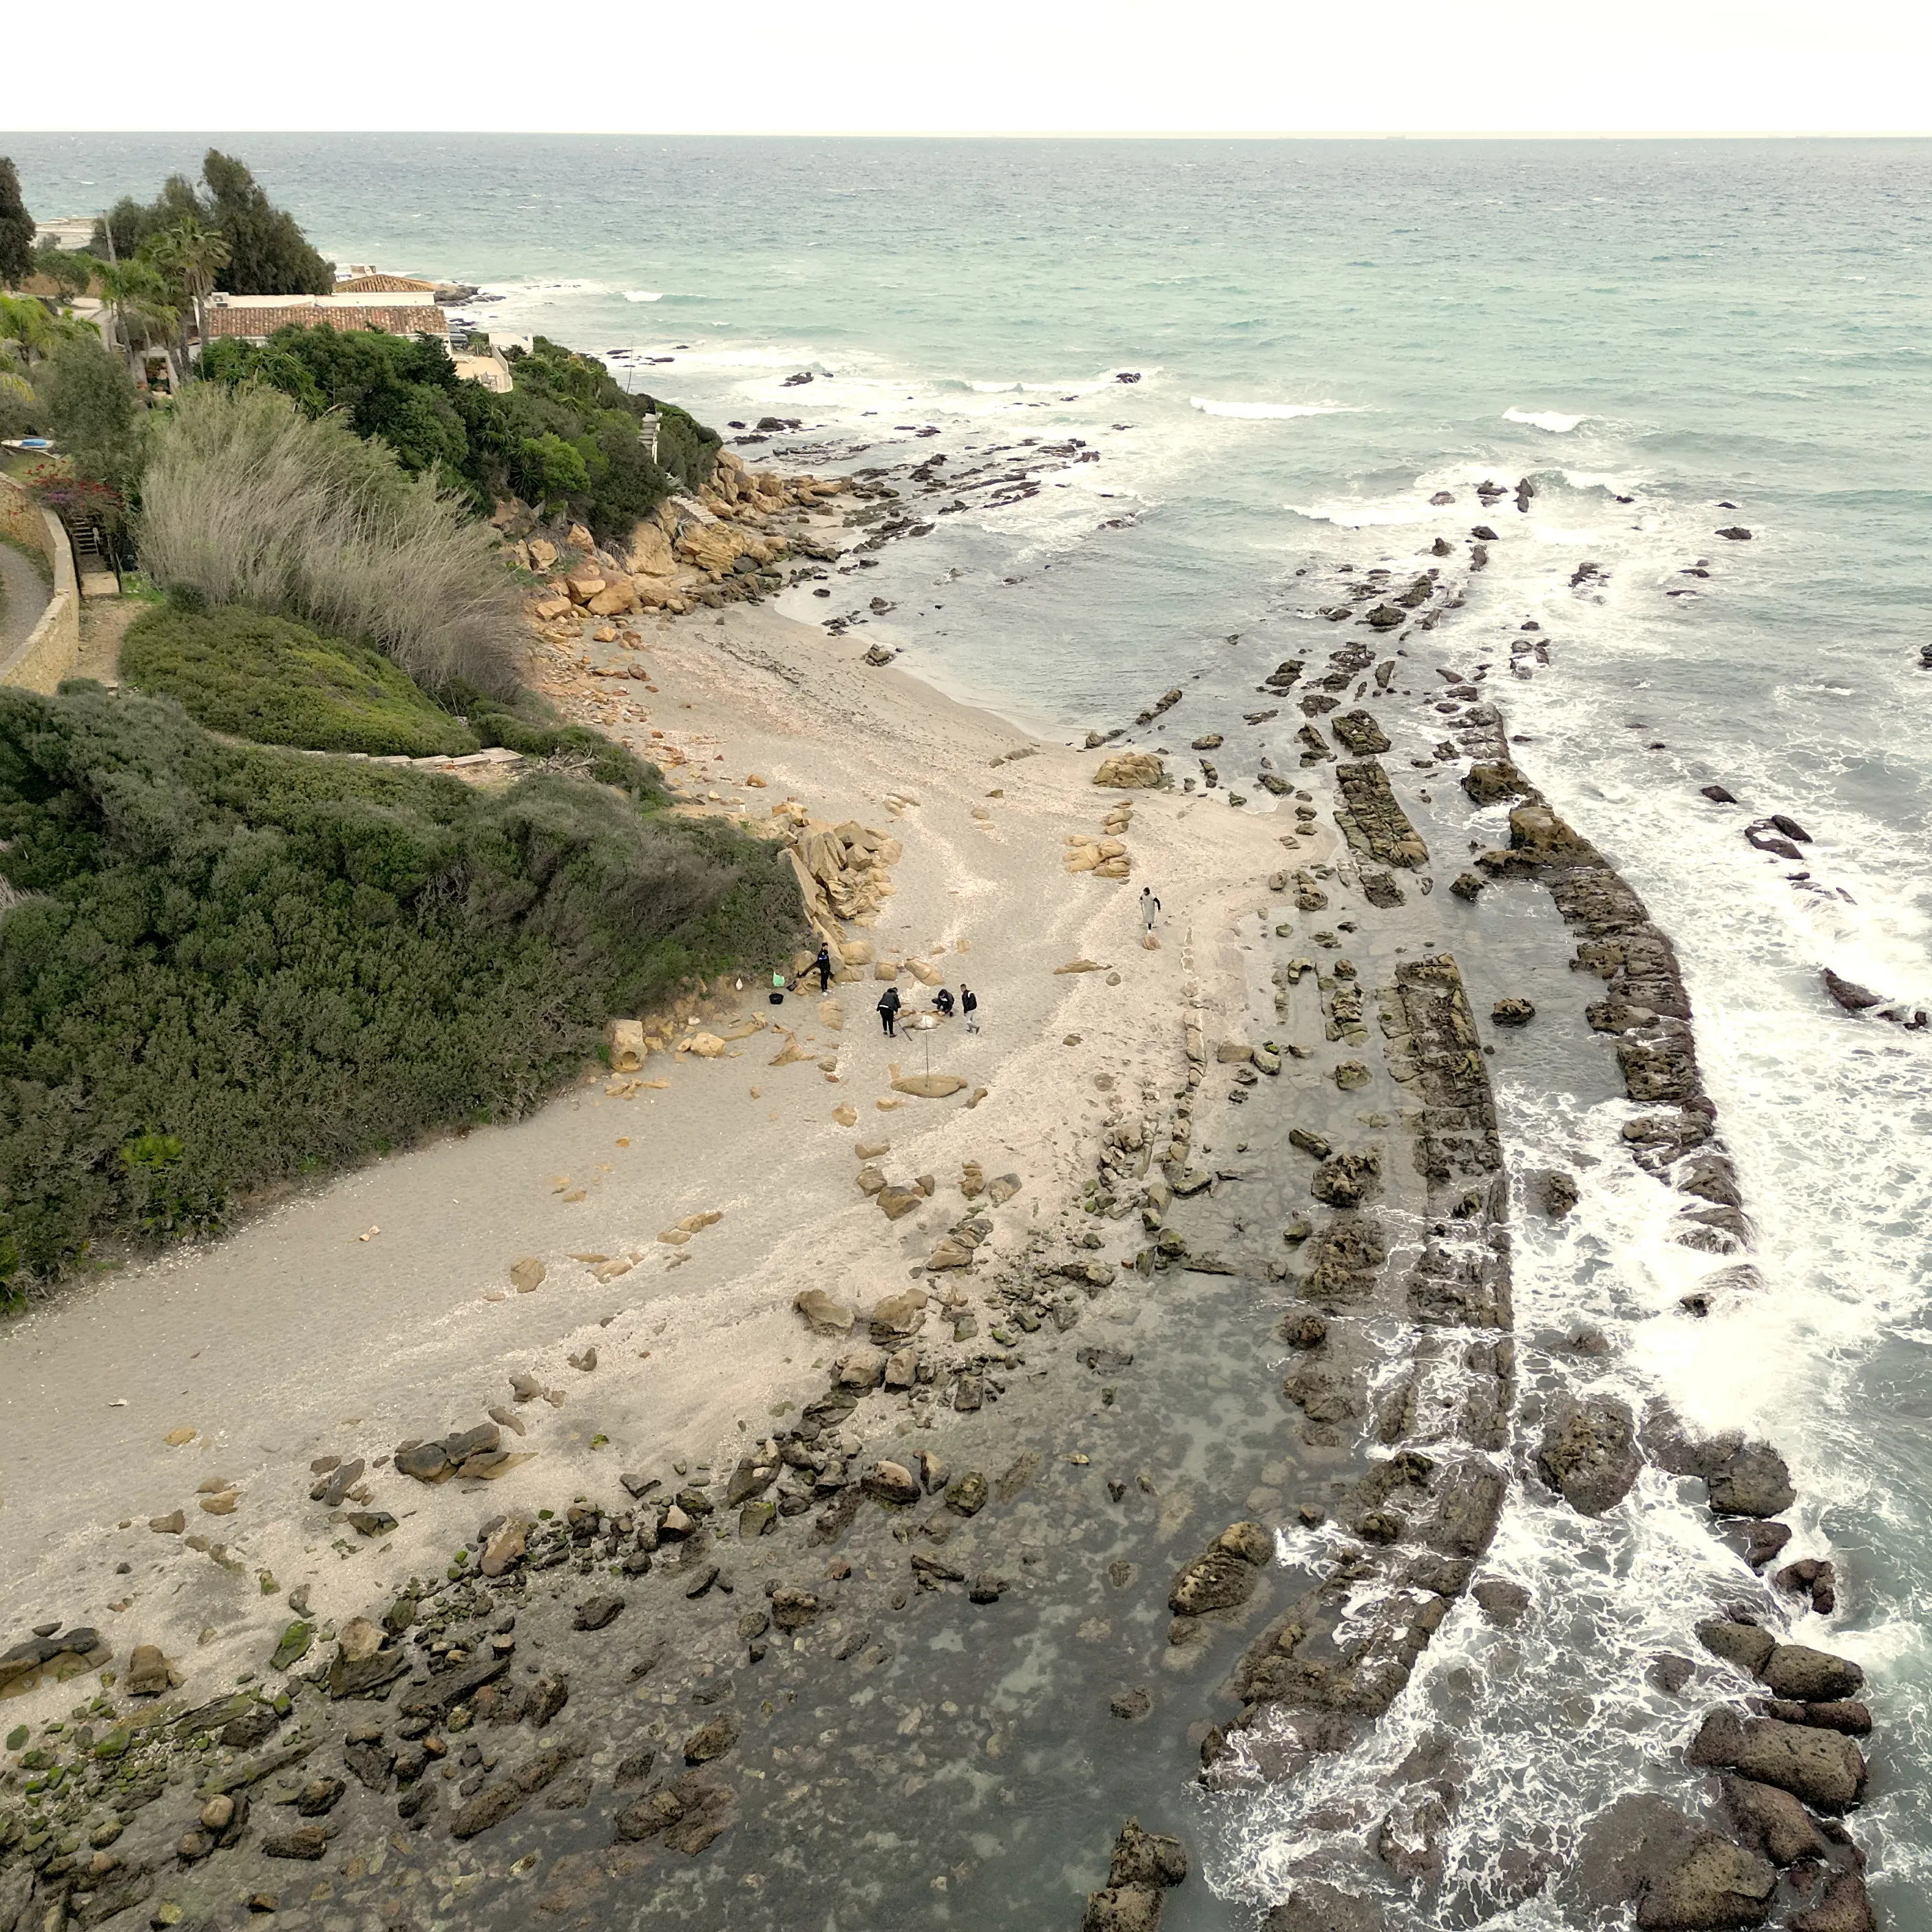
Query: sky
x,y
1257,66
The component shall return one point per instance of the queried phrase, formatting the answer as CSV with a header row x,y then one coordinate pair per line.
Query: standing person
x,y
889,1010
1149,907
823,965
969,1005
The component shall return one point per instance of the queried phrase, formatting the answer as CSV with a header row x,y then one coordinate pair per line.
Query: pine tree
x,y
16,229
268,254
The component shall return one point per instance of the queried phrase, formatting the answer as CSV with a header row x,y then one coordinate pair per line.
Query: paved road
x,y
26,598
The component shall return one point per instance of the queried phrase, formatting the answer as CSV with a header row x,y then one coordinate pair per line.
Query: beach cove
x,y
1635,653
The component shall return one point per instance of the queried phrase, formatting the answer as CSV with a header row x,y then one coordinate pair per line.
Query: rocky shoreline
x,y
809,1675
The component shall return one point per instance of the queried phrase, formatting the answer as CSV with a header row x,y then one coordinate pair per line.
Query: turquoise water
x,y
1326,334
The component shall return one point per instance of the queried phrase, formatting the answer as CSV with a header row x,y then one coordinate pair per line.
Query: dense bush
x,y
246,500
231,965
566,436
89,402
278,682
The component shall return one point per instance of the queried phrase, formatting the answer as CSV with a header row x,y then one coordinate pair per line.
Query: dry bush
x,y
247,501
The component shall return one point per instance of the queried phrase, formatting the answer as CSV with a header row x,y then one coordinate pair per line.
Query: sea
x,y
1274,355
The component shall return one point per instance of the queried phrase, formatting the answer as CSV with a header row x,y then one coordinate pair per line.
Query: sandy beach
x,y
379,1307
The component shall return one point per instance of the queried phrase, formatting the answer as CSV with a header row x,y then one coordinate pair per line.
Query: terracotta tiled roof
x,y
383,285
396,319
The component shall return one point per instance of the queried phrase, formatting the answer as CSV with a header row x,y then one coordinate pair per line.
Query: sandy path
x,y
295,1337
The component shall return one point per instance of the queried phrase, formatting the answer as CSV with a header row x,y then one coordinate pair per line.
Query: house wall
x,y
52,647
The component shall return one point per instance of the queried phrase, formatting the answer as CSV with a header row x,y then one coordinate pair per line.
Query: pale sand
x,y
295,1337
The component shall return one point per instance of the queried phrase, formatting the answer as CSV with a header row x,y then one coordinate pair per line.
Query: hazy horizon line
x,y
1033,134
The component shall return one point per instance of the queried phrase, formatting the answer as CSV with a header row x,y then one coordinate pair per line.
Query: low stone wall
x,y
52,647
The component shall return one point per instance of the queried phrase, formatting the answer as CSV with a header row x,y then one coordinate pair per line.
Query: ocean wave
x,y
642,295
565,286
1554,421
1258,412
1080,385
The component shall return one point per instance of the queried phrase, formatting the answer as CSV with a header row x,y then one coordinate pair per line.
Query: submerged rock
x,y
1316,1907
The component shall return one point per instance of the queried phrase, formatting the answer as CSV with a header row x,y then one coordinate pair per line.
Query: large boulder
x,y
1744,1645
1772,1822
1844,1908
1716,1884
1538,835
1589,1453
1491,783
618,596
1131,771
1751,1479
1796,1671
650,552
1823,1768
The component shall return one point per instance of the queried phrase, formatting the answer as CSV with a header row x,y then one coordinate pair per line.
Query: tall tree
x,y
16,229
269,254
70,270
129,223
187,257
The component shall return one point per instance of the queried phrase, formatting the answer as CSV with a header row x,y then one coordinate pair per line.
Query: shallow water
x,y
1326,334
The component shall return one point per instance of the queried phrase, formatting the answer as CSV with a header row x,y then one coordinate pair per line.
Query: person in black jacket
x,y
822,965
889,1010
942,1003
969,1005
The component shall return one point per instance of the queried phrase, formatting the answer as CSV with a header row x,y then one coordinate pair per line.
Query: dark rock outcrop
x,y
1588,1453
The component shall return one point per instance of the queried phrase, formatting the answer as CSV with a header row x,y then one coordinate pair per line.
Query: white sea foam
x,y
642,295
1078,385
1267,412
1554,421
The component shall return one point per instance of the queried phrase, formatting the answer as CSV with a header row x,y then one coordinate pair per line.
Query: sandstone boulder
x,y
1131,770
626,1039
823,1314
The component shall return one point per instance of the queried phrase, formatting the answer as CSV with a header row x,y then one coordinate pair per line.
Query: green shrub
x,y
248,501
566,436
230,965
278,682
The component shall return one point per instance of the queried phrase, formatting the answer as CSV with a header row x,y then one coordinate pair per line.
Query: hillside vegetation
x,y
565,437
225,966
248,501
278,682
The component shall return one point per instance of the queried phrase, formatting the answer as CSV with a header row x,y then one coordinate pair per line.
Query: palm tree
x,y
28,329
188,257
138,296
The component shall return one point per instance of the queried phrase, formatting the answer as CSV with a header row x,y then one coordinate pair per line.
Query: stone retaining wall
x,y
52,647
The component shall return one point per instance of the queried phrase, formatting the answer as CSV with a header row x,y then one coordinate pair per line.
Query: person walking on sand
x,y
889,1010
823,966
969,1005
1149,907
